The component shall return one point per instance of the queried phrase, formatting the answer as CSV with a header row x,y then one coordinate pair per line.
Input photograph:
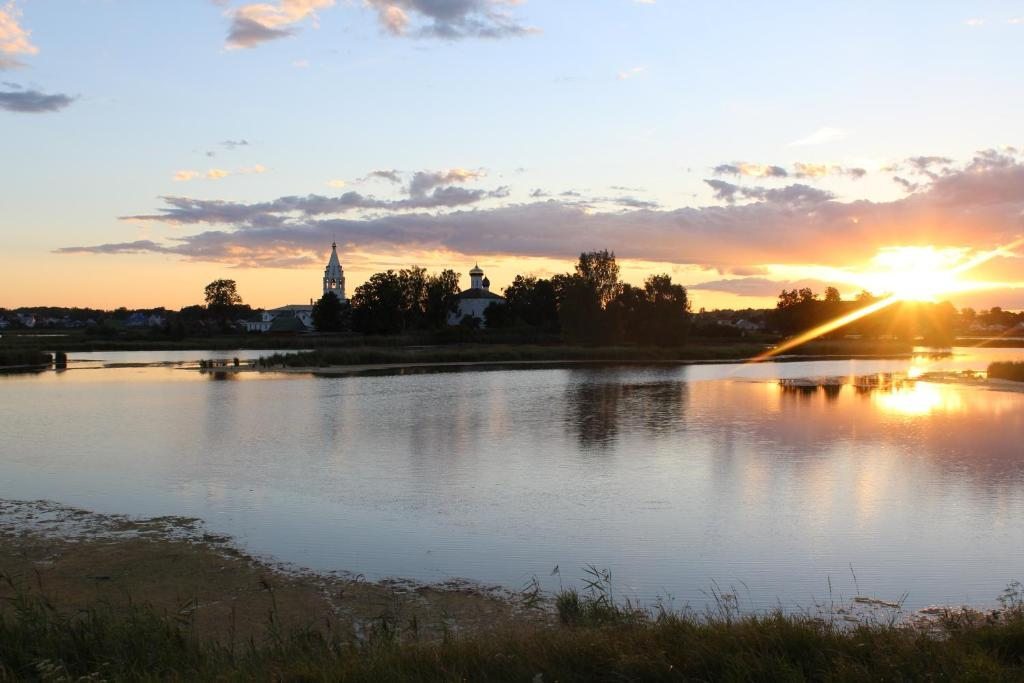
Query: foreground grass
x,y
1007,370
595,642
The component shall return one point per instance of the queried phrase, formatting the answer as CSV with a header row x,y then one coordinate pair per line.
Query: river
x,y
680,480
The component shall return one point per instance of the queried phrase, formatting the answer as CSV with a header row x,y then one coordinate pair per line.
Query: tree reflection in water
x,y
600,405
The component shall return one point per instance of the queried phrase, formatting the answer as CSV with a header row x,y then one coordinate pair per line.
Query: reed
x,y
596,641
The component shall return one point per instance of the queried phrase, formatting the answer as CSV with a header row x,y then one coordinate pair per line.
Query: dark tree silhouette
x,y
329,314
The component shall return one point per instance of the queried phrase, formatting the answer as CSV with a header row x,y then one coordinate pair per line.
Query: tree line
x,y
800,310
589,306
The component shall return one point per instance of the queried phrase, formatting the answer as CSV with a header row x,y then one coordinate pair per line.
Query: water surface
x,y
674,478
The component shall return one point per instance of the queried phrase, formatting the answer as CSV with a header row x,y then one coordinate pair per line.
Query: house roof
x,y
478,293
295,308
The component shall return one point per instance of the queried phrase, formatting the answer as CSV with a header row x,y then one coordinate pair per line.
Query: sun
x,y
917,273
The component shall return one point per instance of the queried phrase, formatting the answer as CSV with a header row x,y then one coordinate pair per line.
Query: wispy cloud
x,y
745,168
800,169
449,19
974,21
186,175
32,101
14,39
633,72
256,23
821,136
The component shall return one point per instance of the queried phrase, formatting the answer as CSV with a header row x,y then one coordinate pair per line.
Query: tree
x,y
222,296
669,311
329,313
442,298
377,305
599,269
532,301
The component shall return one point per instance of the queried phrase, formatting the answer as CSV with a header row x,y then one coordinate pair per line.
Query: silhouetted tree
x,y
532,301
442,298
330,314
601,272
377,305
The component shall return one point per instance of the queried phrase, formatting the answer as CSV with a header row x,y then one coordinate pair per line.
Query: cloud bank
x,y
978,204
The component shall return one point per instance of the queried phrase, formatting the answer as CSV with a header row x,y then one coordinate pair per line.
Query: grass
x,y
596,641
1007,370
23,358
505,353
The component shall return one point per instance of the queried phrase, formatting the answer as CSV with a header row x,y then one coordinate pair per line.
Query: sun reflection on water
x,y
914,399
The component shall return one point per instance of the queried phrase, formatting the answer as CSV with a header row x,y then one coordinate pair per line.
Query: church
x,y
472,302
475,300
299,317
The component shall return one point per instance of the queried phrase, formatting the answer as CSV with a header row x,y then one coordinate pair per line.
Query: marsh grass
x,y
1007,370
597,641
24,358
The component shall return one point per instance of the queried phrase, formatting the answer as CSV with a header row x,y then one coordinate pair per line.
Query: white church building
x,y
299,317
475,300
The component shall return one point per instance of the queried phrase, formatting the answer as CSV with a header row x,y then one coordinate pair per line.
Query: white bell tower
x,y
334,276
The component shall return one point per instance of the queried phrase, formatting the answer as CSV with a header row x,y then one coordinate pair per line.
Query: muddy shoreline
x,y
76,559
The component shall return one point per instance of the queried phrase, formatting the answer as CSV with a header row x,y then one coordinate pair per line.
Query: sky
x,y
148,148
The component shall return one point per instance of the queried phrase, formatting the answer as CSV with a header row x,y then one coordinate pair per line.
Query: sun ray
x,y
946,277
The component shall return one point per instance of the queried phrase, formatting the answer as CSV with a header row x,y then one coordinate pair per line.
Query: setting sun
x,y
918,273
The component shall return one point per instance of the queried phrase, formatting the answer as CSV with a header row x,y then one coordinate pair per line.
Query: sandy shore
x,y
77,558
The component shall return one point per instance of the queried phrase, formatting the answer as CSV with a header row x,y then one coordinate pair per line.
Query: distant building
x,y
334,276
475,300
299,317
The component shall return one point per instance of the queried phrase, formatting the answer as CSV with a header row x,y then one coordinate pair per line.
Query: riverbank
x,y
77,559
87,595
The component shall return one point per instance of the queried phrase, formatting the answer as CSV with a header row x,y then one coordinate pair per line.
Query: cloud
x,y
184,176
33,101
14,39
626,74
802,170
423,181
979,204
744,168
216,174
391,175
757,286
791,194
974,21
336,183
448,19
821,136
256,23
234,144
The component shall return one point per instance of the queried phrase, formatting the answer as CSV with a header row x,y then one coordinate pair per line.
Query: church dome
x,y
486,283
476,271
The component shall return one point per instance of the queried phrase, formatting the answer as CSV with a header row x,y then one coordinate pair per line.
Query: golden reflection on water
x,y
914,399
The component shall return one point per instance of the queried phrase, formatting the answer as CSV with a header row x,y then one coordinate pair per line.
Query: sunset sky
x,y
147,148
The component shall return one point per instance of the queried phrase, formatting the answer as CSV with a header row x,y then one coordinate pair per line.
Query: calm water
x,y
674,478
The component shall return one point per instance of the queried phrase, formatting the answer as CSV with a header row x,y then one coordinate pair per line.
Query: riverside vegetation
x,y
594,639
1007,370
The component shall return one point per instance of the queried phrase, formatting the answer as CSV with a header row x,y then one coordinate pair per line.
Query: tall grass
x,y
23,358
1007,370
598,642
